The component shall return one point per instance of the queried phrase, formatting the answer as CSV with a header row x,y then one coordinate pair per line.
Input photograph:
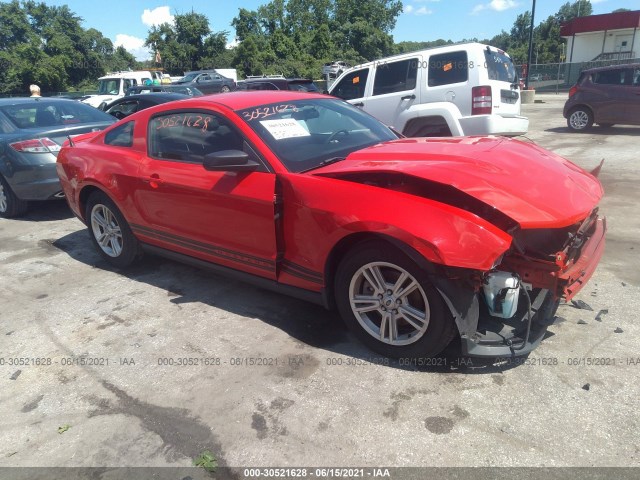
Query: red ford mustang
x,y
415,241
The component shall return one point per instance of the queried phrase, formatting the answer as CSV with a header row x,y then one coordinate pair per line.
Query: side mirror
x,y
229,160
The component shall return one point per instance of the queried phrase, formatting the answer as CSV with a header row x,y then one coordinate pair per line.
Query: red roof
x,y
599,23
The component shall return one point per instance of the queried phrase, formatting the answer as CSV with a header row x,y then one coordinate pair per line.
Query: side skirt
x,y
319,298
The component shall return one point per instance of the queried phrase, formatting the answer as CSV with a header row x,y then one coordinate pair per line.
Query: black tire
x,y
433,334
580,119
121,248
10,205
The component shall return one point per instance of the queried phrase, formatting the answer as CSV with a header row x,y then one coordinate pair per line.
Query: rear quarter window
x,y
121,136
609,77
499,66
448,68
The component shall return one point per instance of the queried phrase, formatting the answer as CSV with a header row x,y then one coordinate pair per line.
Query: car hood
x,y
534,187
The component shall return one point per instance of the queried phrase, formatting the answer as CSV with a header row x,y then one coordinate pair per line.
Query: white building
x,y
612,36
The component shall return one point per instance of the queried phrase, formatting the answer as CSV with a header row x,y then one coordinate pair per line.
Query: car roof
x,y
612,67
25,100
249,98
160,97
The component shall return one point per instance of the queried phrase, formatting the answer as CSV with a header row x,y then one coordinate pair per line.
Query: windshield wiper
x,y
323,163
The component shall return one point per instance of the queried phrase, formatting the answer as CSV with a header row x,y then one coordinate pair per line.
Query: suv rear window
x,y
448,68
500,67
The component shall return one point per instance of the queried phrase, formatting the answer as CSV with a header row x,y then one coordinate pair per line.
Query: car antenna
x,y
71,141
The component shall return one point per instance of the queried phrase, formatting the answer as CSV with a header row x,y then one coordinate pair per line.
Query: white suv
x,y
463,89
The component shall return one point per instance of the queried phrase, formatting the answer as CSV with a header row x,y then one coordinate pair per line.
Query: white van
x,y
455,90
113,86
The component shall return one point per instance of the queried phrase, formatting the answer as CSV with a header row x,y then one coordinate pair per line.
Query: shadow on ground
x,y
308,323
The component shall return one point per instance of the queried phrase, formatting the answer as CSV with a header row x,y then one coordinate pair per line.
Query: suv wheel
x,y
580,119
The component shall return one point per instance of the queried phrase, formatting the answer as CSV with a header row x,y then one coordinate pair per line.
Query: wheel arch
x,y
461,302
84,195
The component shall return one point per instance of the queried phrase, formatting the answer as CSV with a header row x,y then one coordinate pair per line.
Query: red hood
x,y
533,186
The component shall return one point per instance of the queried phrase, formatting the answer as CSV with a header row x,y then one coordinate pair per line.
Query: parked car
x,y
335,69
31,133
113,85
278,83
125,106
191,91
464,89
207,82
606,96
415,241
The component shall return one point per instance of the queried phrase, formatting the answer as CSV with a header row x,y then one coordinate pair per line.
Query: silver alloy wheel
x,y
106,230
389,303
579,120
3,199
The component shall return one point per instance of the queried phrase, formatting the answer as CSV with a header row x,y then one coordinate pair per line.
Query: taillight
x,y
481,100
36,145
573,90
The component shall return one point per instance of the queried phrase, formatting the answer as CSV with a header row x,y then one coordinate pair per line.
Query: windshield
x,y
500,66
109,86
305,134
189,78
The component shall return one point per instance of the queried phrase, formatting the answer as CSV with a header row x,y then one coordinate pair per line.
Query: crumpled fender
x,y
329,210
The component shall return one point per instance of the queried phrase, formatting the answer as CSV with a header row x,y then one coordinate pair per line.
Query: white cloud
x,y
412,10
133,45
423,11
157,16
496,5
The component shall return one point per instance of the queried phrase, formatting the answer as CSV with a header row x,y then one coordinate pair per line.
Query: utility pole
x,y
533,14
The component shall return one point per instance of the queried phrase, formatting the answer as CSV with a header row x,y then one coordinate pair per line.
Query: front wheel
x,y
580,119
110,232
390,304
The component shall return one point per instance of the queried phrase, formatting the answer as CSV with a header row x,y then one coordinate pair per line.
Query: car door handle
x,y
408,97
359,104
153,180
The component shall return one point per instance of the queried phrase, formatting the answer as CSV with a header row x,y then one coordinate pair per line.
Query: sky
x,y
126,22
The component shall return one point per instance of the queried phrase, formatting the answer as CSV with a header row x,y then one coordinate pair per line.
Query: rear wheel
x,y
390,304
10,205
580,119
225,89
110,232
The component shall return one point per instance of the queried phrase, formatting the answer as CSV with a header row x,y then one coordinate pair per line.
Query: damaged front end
x,y
517,301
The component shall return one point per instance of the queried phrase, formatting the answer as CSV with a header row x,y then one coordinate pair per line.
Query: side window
x,y
396,76
352,85
448,68
609,77
121,136
636,78
189,136
123,109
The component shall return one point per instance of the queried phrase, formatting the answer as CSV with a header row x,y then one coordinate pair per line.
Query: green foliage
x,y
47,45
207,461
295,37
188,44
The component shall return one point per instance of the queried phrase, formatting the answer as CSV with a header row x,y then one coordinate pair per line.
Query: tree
x,y
188,44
